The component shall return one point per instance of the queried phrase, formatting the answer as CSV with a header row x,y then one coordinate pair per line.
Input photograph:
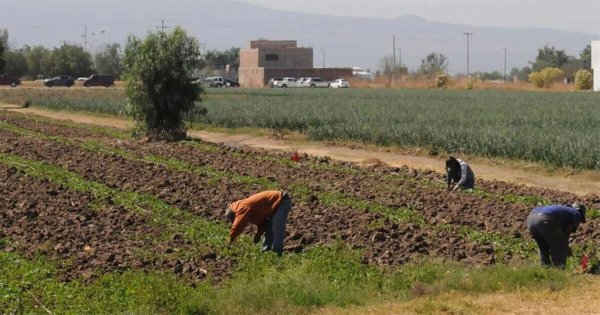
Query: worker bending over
x,y
550,227
459,174
268,210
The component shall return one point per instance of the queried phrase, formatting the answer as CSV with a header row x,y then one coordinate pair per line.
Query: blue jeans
x,y
275,230
552,241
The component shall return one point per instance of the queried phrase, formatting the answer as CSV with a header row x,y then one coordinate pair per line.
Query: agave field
x,y
556,129
93,221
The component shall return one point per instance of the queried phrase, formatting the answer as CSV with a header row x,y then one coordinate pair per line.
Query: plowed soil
x,y
67,226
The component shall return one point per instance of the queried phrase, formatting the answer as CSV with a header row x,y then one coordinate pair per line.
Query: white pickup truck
x,y
285,82
314,83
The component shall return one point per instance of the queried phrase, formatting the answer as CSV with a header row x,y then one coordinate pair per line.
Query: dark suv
x,y
99,80
12,81
61,80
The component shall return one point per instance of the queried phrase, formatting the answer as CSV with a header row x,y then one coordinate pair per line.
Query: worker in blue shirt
x,y
459,174
550,227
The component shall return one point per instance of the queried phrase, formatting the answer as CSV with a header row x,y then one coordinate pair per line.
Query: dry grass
x,y
456,84
580,299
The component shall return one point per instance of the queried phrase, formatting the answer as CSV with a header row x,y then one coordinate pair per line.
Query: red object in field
x,y
584,262
296,157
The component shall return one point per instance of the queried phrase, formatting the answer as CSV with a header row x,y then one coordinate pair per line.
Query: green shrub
x,y
470,83
584,80
546,77
441,80
157,85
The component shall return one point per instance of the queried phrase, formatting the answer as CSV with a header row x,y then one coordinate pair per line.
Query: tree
x,y
586,57
70,60
4,38
549,57
215,59
2,62
433,64
38,60
571,67
108,61
157,85
390,69
521,75
16,65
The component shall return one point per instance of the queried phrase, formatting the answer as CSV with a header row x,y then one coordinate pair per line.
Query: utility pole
x,y
468,34
162,26
394,49
399,62
504,64
84,35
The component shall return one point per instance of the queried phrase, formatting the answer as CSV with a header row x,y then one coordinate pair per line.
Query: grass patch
x,y
266,283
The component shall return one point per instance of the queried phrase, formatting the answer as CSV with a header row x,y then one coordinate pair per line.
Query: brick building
x,y
265,59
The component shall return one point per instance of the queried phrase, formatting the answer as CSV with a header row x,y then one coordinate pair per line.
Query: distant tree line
x,y
32,62
547,57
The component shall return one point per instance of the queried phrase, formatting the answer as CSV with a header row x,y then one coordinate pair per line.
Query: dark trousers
x,y
550,238
275,230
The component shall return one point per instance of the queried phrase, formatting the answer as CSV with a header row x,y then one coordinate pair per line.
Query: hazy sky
x,y
572,15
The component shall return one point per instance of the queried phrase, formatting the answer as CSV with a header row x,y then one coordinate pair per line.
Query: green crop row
x,y
558,129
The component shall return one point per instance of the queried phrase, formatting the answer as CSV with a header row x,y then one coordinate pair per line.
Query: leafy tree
x,y
586,57
571,67
70,60
16,64
549,57
433,64
2,62
38,60
4,38
109,60
215,59
157,85
521,74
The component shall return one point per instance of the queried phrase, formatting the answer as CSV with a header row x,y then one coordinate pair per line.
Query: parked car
x,y
81,79
339,83
272,81
7,80
231,83
215,82
105,80
61,80
314,83
286,82
301,80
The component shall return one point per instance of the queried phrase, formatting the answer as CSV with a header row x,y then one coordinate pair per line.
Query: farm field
x,y
98,222
554,129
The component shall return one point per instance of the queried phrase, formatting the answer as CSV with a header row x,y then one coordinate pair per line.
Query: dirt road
x,y
580,183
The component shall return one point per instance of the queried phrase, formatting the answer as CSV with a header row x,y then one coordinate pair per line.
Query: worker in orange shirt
x,y
268,210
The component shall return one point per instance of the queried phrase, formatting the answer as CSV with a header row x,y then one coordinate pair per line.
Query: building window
x,y
271,57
